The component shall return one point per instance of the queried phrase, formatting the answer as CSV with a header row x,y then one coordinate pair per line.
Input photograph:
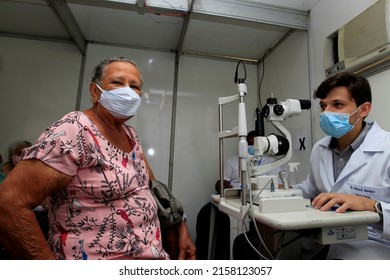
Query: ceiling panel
x,y
301,5
30,18
127,27
230,37
232,29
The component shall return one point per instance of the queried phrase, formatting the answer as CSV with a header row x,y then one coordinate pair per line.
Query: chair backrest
x,y
221,248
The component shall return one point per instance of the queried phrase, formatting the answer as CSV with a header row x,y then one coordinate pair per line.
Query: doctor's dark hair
x,y
250,137
357,86
101,67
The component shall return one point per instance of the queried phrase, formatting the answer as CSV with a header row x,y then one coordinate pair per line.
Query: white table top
x,y
309,218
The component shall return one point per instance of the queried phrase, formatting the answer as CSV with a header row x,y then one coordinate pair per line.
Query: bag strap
x,y
175,211
173,202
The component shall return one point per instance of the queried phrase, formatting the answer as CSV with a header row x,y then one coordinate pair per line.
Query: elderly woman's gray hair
x,y
99,69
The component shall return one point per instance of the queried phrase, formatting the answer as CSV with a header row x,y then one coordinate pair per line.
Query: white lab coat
x,y
367,173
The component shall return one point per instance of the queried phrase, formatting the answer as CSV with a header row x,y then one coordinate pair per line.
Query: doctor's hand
x,y
325,201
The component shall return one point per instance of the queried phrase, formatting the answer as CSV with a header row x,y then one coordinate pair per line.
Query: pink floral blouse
x,y
107,211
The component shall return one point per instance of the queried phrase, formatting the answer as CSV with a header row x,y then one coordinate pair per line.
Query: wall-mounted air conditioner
x,y
362,45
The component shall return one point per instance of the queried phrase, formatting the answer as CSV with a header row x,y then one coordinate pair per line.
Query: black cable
x,y
259,103
288,243
236,79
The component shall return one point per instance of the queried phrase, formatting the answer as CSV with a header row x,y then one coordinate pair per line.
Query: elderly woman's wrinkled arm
x,y
30,182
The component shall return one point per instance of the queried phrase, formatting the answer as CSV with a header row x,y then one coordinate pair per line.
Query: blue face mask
x,y
336,124
122,102
251,150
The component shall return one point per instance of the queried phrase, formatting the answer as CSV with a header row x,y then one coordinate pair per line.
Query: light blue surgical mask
x,y
336,124
121,102
251,150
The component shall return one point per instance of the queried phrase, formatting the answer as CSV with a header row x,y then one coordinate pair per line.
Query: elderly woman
x,y
92,166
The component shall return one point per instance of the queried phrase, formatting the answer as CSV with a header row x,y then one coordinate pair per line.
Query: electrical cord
x,y
283,245
279,245
236,79
251,212
259,103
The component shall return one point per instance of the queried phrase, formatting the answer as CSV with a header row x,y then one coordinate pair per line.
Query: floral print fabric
x,y
107,210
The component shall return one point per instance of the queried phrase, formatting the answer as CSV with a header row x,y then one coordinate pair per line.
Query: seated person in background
x,y
14,155
3,253
2,175
231,168
222,220
242,250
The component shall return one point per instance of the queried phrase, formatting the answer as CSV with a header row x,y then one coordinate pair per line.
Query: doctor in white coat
x,y
350,168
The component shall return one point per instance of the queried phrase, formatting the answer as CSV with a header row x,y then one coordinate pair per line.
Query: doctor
x,y
350,168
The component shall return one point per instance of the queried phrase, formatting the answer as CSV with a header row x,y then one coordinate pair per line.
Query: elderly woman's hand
x,y
187,249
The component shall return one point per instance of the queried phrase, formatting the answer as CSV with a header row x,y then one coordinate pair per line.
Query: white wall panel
x,y
380,85
196,162
39,82
287,76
